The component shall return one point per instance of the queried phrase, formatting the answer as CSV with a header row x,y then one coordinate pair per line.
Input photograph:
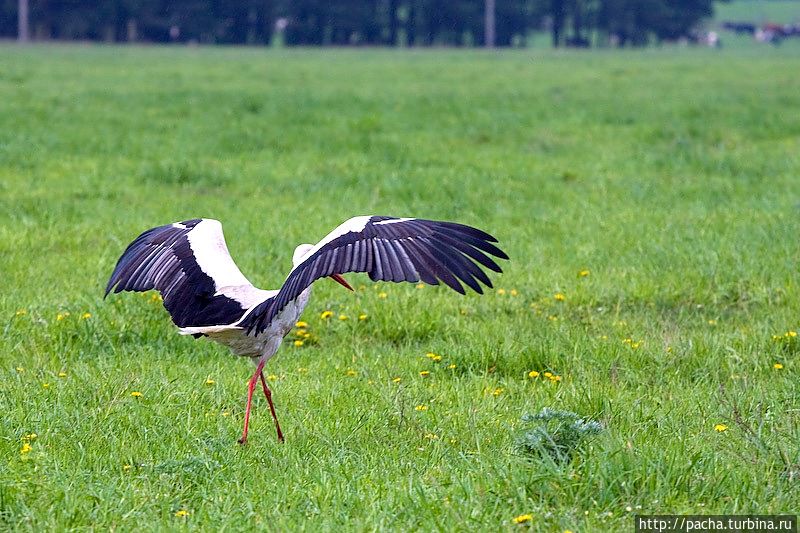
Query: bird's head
x,y
302,251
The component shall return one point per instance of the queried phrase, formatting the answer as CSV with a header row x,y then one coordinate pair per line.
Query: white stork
x,y
207,295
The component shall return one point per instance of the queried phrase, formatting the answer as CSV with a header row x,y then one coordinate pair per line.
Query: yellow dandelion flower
x,y
791,333
156,298
343,317
126,468
301,324
552,317
533,374
498,391
306,335
548,375
26,448
136,394
433,357
350,372
21,312
778,366
521,519
382,295
719,428
302,370
712,322
182,513
210,381
59,317
424,373
559,297
29,437
420,285
62,374
514,292
84,316
272,377
556,378
421,408
20,369
396,380
431,436
45,385
300,333
362,316
583,273
501,292
226,413
298,343
326,315
451,366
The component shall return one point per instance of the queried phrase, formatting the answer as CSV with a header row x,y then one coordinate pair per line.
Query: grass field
x,y
648,200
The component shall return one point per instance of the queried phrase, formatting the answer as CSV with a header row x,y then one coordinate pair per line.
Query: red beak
x,y
341,281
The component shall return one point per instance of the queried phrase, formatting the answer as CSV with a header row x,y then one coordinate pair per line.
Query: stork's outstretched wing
x,y
189,263
389,249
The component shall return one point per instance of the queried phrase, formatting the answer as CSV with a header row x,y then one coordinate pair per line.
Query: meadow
x,y
648,201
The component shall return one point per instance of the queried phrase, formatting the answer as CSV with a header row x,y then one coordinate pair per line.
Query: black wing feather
x,y
390,249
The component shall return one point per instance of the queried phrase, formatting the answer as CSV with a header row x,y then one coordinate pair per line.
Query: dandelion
x,y
396,380
62,374
362,316
298,343
533,374
433,357
382,295
210,381
451,366
306,334
420,285
712,322
343,317
523,518
326,315
583,273
548,375
514,292
501,292
791,333
559,297
60,317
156,298
719,428
424,373
431,436
226,413
350,372
136,394
26,448
554,379
301,324
778,366
552,317
20,369
302,370
272,377
421,408
84,316
126,468
21,312
300,333
182,513
498,391
45,385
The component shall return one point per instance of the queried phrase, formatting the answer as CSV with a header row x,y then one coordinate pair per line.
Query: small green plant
x,y
556,433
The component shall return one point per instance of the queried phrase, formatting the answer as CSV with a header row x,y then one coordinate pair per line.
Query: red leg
x,y
268,394
251,386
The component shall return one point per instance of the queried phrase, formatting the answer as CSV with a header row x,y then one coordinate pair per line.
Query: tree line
x,y
351,23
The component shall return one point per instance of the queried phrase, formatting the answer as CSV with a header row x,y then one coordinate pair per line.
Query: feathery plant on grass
x,y
555,433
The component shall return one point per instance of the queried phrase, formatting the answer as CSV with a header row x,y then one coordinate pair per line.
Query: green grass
x,y
671,176
758,11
